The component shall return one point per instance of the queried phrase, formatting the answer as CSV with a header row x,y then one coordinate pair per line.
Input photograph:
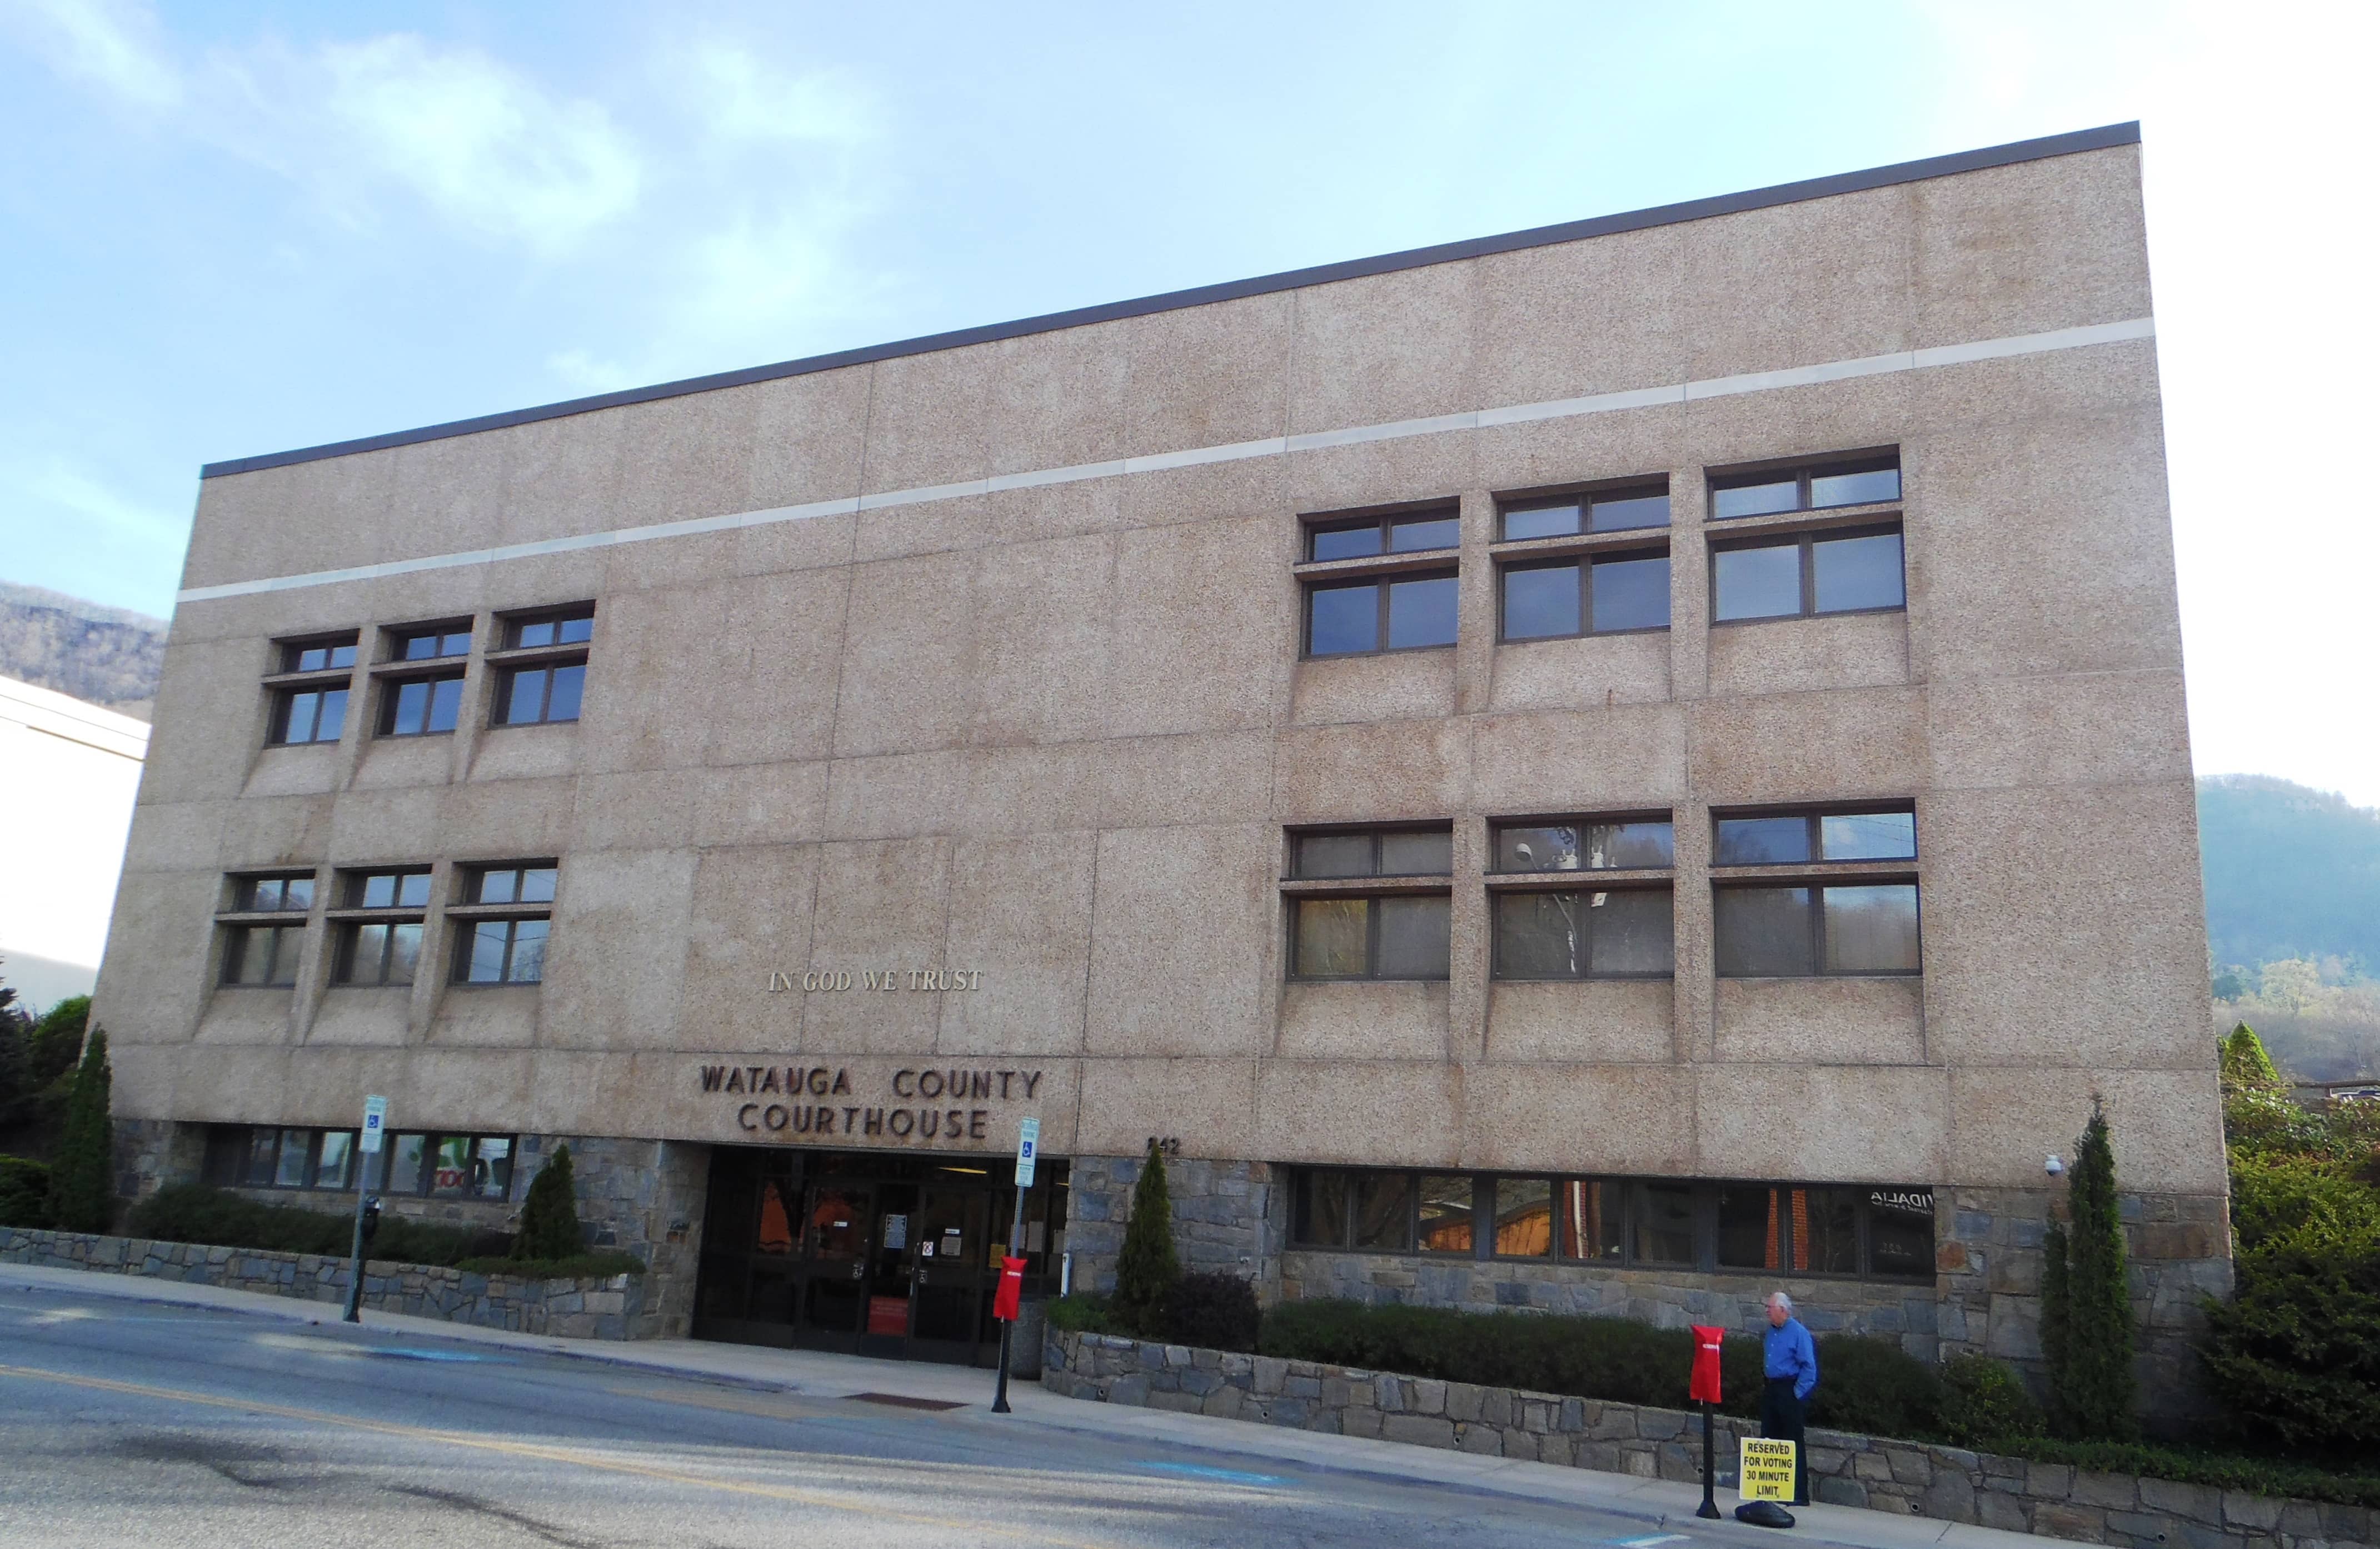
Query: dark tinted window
x,y
430,644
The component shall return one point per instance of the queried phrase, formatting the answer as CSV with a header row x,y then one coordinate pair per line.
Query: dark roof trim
x,y
1414,258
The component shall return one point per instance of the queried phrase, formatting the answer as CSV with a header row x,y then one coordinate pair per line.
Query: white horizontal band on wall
x,y
1561,408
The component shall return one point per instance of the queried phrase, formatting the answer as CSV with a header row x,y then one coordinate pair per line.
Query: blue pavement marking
x,y
1649,1542
401,1352
1232,1476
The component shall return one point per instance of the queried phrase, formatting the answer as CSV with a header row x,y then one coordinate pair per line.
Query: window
x,y
1383,536
1622,933
1606,511
244,1156
312,708
1868,480
1604,596
429,645
1404,613
449,1165
379,930
1849,570
421,706
548,687
1826,922
1709,1227
1402,610
507,947
1349,933
1794,839
264,953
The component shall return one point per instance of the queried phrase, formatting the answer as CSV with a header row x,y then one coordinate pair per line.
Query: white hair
x,y
1779,1299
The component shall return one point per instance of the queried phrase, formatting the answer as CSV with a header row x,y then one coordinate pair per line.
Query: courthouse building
x,y
1608,768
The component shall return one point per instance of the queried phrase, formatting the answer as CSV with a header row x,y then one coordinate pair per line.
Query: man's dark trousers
x,y
1781,1418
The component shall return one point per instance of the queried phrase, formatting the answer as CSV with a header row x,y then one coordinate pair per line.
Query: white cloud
x,y
63,490
583,373
741,98
483,146
107,42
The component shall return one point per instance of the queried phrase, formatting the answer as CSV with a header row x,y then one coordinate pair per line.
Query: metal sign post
x,y
1028,1143
375,1126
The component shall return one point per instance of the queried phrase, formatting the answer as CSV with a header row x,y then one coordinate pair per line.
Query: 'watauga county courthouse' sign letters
x,y
942,1106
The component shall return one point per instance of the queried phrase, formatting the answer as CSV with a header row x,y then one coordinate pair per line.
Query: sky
x,y
230,229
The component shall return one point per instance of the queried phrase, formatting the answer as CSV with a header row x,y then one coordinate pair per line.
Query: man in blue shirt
x,y
1790,1363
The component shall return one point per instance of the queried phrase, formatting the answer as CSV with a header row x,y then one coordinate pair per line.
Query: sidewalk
x,y
1663,1507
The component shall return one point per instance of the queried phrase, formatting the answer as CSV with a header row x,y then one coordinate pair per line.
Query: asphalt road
x,y
122,1423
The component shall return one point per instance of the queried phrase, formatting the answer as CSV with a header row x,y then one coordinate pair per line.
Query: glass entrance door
x,y
952,1242
891,1270
836,1229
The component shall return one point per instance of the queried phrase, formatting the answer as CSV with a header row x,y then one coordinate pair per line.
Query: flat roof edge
x,y
2100,138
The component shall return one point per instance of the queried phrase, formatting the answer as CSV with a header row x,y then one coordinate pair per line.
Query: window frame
x,y
1387,522
1816,906
354,916
465,918
1584,562
240,921
291,681
1582,927
1585,497
1804,541
1803,472
1814,820
1382,583
392,684
515,659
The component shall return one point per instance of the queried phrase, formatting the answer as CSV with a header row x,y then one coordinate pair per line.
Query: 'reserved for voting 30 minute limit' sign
x,y
1766,1470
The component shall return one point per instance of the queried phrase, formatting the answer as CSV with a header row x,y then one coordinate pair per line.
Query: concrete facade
x,y
984,662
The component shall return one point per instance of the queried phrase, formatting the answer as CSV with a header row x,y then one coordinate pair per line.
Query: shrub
x,y
1613,1359
1213,1310
193,1212
1984,1401
1876,1388
82,1186
2262,1476
548,1223
24,1193
1146,1267
1083,1314
2244,1062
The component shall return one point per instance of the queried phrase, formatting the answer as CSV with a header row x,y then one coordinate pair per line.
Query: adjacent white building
x,y
68,771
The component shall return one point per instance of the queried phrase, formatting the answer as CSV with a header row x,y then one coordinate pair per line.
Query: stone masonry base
x,y
612,1308
1905,1477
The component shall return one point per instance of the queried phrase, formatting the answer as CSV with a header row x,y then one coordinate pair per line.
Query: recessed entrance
x,y
867,1252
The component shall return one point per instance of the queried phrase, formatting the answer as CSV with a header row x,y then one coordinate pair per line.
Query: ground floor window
x,y
1856,1230
446,1165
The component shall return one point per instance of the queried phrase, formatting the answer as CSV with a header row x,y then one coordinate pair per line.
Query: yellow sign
x,y
1766,1470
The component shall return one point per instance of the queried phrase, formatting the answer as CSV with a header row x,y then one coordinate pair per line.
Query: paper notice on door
x,y
925,1249
897,1231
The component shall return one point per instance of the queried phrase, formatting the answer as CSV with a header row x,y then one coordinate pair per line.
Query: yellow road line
x,y
764,1408
981,1525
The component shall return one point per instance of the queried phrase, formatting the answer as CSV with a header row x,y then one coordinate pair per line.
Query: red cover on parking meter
x,y
1012,1289
1703,1388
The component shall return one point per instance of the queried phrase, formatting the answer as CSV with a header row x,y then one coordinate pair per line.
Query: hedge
x,y
194,1213
577,1266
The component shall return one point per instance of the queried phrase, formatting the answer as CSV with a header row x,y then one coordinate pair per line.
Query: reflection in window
x,y
1382,614
421,707
1378,535
1901,1233
1866,482
262,956
1384,1210
1447,1213
1590,1221
1808,574
1620,933
1322,1209
505,952
1583,597
1616,512
1524,1217
1826,1231
776,1233
1663,1215
1798,931
1588,847
1799,837
1750,1230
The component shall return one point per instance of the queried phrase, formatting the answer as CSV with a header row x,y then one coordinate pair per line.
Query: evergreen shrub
x,y
24,1193
82,1184
1146,1266
2087,1315
548,1223
600,1265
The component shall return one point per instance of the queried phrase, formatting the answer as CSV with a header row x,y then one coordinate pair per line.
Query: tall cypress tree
x,y
548,1227
2244,1061
82,1192
2086,1319
1147,1268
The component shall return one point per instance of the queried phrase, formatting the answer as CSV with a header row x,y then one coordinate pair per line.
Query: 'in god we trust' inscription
x,y
885,980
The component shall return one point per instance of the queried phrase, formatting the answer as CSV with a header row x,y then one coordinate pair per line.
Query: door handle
x,y
858,1271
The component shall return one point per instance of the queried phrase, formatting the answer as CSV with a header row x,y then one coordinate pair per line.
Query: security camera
x,y
2053,1166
